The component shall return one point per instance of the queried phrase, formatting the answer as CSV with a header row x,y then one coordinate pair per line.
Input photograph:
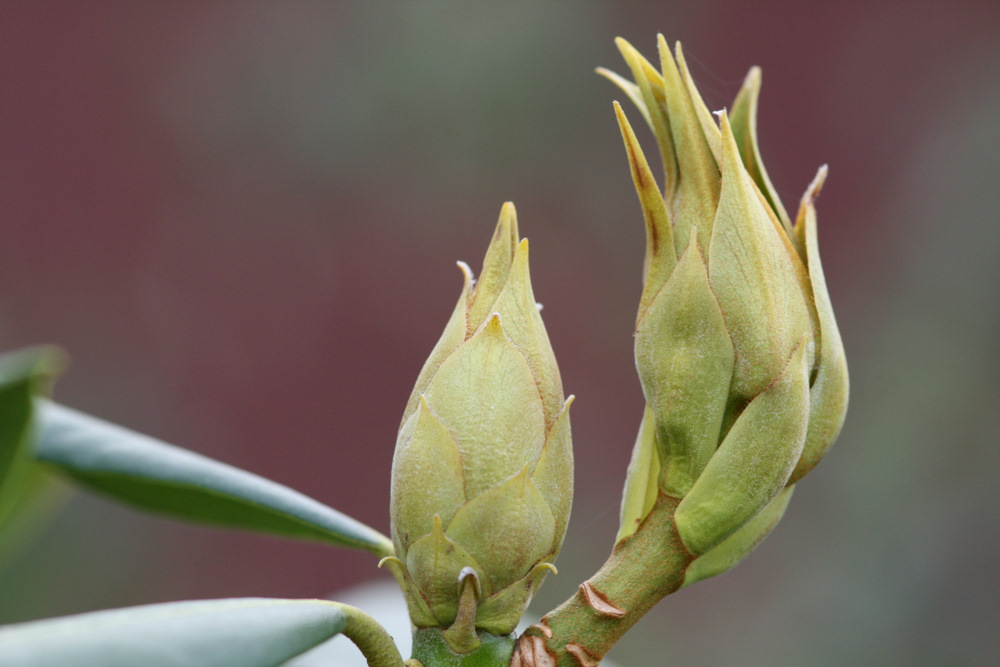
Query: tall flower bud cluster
x,y
482,473
737,348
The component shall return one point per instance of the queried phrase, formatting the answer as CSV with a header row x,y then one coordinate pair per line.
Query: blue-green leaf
x,y
155,476
248,632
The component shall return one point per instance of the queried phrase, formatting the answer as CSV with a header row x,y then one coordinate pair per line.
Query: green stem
x,y
642,569
431,649
371,638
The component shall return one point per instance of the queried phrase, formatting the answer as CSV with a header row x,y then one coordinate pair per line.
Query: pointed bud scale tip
x,y
496,266
692,194
508,216
641,489
629,88
647,91
652,77
391,561
466,271
668,64
725,128
708,126
661,44
466,574
641,174
461,636
493,326
808,201
508,219
812,192
545,566
660,257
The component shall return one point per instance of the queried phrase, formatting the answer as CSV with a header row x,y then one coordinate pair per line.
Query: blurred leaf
x,y
42,495
153,475
249,632
20,374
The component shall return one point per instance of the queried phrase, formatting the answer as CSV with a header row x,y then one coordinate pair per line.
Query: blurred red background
x,y
241,220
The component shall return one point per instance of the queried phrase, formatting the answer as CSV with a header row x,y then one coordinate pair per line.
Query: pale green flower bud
x,y
736,345
482,477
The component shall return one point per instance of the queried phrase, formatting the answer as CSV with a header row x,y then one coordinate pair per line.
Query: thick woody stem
x,y
641,570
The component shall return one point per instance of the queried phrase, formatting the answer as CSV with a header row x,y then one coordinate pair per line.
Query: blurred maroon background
x,y
241,221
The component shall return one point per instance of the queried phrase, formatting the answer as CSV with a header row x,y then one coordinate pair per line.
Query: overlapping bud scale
x,y
482,474
736,344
